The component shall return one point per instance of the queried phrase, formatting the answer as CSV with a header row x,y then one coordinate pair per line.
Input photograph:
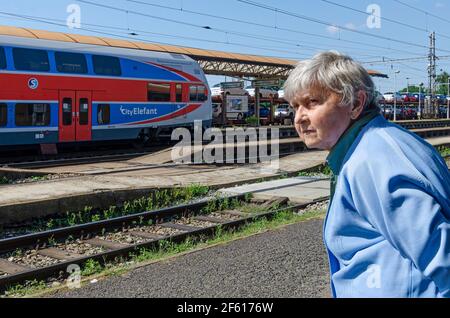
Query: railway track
x,y
49,254
425,129
79,158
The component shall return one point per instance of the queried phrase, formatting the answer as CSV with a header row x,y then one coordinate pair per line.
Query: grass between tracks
x,y
444,151
157,200
4,180
94,270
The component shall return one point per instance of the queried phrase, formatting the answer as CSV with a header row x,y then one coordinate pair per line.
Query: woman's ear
x,y
358,107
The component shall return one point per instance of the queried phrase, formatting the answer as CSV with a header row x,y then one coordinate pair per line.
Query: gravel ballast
x,y
287,262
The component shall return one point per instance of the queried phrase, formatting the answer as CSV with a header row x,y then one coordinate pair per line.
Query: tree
x,y
412,89
441,83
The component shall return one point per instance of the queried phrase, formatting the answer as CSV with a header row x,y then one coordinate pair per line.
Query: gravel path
x,y
289,262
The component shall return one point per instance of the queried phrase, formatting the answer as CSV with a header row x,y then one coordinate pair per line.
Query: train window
x,y
158,92
2,58
106,65
103,114
84,111
71,63
32,114
67,112
3,115
31,60
178,93
193,93
197,93
201,93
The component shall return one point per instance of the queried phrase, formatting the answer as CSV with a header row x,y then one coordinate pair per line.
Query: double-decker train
x,y
55,92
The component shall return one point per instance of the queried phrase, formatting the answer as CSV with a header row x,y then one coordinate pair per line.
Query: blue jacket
x,y
387,229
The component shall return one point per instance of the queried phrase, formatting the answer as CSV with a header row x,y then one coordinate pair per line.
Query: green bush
x,y
252,120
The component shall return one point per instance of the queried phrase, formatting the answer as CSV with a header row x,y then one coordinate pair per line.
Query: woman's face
x,y
319,120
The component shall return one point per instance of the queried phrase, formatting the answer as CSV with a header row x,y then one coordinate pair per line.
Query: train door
x,y
75,116
84,116
67,114
180,97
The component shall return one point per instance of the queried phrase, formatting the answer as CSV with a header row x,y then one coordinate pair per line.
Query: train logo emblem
x,y
33,83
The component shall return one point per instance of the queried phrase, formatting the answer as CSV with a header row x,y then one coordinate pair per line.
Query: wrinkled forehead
x,y
313,91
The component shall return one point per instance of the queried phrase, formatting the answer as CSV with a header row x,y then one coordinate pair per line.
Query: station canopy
x,y
212,62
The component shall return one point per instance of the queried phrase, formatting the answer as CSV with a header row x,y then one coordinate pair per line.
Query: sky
x,y
394,38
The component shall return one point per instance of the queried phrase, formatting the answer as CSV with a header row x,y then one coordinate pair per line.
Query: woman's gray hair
x,y
335,72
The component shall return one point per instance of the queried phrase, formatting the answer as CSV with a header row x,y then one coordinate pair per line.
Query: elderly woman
x,y
387,230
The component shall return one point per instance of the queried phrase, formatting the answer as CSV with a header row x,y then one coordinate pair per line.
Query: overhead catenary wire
x,y
60,22
47,21
422,11
276,27
383,18
388,60
226,32
310,19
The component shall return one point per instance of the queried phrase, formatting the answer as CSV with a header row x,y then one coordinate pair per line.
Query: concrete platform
x,y
23,201
164,157
297,190
439,141
105,184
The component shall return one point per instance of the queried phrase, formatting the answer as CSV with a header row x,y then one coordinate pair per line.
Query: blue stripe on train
x,y
120,113
28,137
115,134
130,113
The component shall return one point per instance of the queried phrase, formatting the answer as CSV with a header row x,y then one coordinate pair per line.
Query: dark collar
x,y
337,153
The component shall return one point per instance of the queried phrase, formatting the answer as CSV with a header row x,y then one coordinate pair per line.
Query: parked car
x,y
410,97
405,97
264,92
217,90
409,113
389,97
442,99
284,111
388,112
413,98
263,111
419,96
443,112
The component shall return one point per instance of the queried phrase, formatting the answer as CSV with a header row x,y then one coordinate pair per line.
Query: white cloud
x,y
332,29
